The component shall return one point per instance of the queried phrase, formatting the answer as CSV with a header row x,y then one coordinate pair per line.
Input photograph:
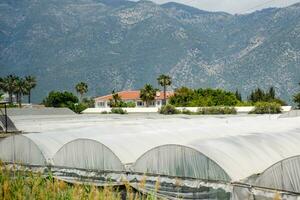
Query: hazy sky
x,y
233,6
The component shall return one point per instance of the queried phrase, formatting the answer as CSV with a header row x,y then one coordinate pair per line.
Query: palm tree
x,y
20,89
30,82
8,84
164,81
2,86
116,100
148,94
81,88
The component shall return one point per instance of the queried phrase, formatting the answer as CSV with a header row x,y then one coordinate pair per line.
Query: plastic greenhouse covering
x,y
205,156
284,175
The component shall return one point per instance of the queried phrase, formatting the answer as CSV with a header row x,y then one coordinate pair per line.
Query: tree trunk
x,y
165,100
10,97
29,96
20,100
17,97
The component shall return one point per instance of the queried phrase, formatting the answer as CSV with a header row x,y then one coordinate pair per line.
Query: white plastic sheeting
x,y
92,154
240,145
284,175
21,149
244,155
179,161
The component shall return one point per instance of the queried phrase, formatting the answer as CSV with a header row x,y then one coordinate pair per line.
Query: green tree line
x,y
18,86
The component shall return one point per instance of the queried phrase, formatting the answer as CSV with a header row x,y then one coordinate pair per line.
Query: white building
x,y
131,96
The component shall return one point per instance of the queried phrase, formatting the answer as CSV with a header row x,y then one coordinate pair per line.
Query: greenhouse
x,y
92,154
206,156
284,175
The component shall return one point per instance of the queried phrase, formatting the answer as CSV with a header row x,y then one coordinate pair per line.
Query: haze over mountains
x,y
119,44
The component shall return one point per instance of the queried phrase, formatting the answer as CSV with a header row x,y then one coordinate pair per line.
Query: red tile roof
x,y
133,95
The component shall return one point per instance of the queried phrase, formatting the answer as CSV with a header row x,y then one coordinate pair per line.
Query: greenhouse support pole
x,y
5,113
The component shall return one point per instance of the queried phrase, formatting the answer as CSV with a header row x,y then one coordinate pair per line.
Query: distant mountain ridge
x,y
119,44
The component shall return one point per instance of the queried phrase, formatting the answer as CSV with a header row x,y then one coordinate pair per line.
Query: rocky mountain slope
x,y
118,44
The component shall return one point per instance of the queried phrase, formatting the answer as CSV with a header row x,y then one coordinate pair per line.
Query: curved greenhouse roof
x,y
179,161
87,154
284,175
21,149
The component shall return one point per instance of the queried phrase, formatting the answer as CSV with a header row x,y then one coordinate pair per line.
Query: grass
x,y
26,185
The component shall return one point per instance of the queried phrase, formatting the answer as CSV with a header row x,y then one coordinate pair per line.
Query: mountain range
x,y
122,45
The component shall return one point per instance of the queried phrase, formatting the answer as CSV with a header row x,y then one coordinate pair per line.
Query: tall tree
x,y
2,86
238,95
20,89
30,82
272,93
81,88
148,94
296,99
8,84
164,81
116,100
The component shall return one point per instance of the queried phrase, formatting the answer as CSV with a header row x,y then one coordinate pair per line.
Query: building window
x,y
158,103
139,103
101,104
152,103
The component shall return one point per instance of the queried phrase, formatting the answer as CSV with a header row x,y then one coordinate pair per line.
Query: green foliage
x,y
64,99
104,112
1,96
188,112
148,94
130,104
164,81
238,95
21,184
266,108
81,88
60,99
30,84
19,86
116,102
258,95
296,99
168,110
118,111
185,97
89,102
216,110
77,107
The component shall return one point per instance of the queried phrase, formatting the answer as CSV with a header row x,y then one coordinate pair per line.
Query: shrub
x,y
297,100
104,112
60,99
187,112
168,110
186,97
118,111
259,95
77,107
215,110
89,102
130,105
266,108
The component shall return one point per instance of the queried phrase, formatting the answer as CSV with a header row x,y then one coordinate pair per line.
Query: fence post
x,y
5,112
